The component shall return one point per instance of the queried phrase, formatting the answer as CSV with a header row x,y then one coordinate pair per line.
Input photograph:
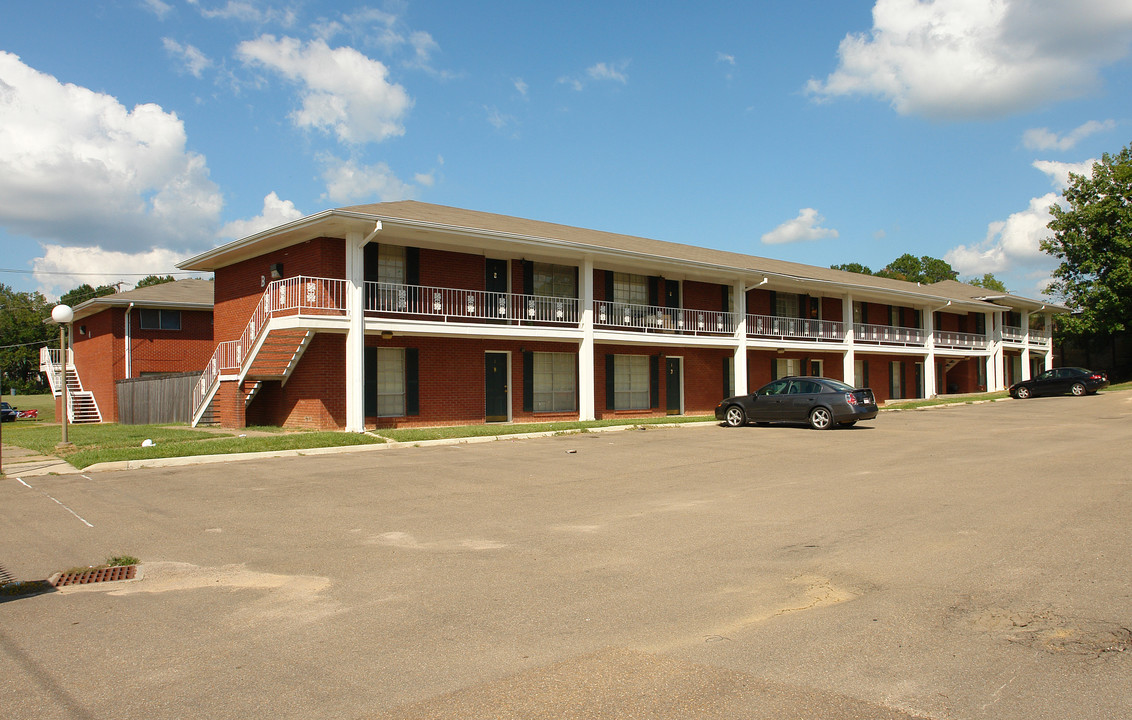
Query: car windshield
x,y
839,386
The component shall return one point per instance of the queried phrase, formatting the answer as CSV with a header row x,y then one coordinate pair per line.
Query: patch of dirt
x,y
1051,632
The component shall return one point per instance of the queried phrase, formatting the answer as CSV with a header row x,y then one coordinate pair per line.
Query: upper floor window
x,y
151,319
630,288
787,305
554,281
391,264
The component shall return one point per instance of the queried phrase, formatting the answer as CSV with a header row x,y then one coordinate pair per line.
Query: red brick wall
x,y
831,308
315,394
462,271
100,354
238,287
702,296
703,379
758,302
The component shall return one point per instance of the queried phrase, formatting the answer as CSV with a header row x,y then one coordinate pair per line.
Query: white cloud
x,y
191,58
79,169
614,72
958,59
522,87
248,11
1045,139
1014,245
599,72
347,181
498,120
342,90
725,58
63,268
807,226
158,8
275,212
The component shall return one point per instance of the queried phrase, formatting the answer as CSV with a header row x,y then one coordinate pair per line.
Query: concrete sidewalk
x,y
17,461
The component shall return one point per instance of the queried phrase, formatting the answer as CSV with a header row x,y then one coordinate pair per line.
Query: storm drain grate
x,y
94,575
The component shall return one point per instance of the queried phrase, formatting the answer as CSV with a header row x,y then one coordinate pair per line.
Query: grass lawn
x,y
45,404
109,442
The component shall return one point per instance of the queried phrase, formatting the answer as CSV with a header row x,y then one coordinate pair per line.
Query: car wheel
x,y
1022,393
735,416
1078,389
821,418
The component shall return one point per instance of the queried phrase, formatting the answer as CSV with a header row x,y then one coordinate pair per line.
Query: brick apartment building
x,y
403,313
158,329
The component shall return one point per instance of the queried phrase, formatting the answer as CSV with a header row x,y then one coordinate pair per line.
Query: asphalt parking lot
x,y
964,562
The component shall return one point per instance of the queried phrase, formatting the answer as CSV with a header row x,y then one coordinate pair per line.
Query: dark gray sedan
x,y
821,402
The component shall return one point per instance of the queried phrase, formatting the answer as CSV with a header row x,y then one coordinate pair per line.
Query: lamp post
x,y
63,315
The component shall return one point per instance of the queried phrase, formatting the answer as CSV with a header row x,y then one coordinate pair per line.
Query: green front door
x,y
495,387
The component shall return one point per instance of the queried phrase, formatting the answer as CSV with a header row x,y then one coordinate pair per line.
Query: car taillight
x,y
1096,376
850,398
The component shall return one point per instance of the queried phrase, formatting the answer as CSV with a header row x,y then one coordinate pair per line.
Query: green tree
x,y
924,269
85,292
853,268
22,334
988,281
1092,237
154,280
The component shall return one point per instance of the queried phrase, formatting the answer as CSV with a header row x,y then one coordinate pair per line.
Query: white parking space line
x,y
80,517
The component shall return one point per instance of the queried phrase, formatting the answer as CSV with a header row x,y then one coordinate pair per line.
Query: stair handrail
x,y
279,296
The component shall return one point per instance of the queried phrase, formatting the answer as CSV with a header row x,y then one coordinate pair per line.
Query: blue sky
x,y
135,133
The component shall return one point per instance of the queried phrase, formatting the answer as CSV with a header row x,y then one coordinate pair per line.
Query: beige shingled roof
x,y
973,292
189,294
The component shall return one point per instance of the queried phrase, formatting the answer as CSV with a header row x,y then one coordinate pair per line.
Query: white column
x,y
1025,345
586,384
739,294
356,336
995,374
849,361
929,360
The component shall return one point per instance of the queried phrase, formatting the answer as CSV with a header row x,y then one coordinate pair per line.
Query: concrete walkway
x,y
21,462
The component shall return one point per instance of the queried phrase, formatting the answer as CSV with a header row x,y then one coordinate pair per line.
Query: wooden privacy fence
x,y
156,398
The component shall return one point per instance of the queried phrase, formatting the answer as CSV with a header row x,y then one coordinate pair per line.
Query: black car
x,y
821,402
7,412
1058,381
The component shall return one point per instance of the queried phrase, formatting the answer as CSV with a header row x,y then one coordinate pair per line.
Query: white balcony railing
x,y
795,328
888,334
1039,337
949,339
300,295
652,318
452,305
1011,333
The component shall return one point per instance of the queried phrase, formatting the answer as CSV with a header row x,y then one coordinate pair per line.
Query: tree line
x,y
924,270
23,330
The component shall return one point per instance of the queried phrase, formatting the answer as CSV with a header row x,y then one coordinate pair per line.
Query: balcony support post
x,y
1025,344
995,371
739,308
356,335
930,381
849,360
586,383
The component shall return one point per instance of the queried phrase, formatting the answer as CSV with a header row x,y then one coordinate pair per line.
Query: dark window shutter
x,y
773,369
412,266
609,384
724,298
528,278
369,382
865,372
815,308
655,290
577,287
773,303
608,285
369,254
412,382
528,381
804,306
654,381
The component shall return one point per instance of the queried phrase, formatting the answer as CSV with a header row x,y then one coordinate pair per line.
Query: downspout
x,y
129,354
